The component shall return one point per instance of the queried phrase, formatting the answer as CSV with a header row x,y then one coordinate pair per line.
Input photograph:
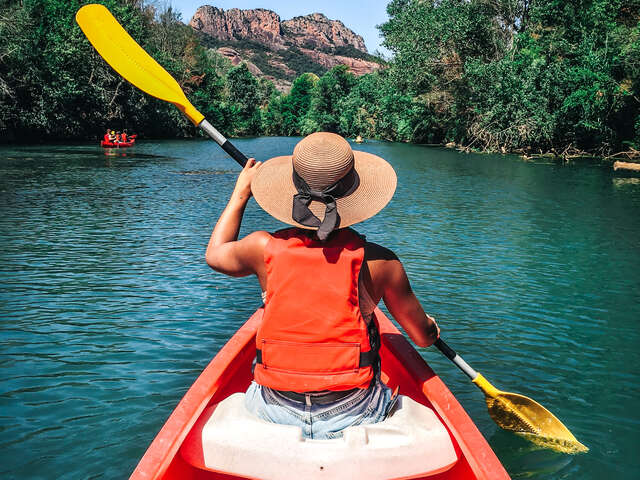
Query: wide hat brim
x,y
273,189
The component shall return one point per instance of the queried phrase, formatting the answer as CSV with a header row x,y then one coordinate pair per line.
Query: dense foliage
x,y
53,85
513,74
489,74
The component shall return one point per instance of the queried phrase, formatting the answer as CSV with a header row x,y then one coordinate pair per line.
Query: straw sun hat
x,y
324,185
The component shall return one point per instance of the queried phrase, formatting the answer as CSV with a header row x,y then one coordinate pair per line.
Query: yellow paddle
x,y
128,58
518,413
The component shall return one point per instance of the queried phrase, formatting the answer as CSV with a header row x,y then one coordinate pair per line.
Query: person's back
x,y
317,363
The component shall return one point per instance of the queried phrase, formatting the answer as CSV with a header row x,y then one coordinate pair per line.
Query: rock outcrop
x,y
264,26
314,38
357,65
318,31
259,25
236,59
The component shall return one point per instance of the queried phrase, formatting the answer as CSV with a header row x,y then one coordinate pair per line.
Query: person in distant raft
x,y
317,362
107,136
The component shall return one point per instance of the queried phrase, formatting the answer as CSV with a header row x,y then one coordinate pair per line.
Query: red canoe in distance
x,y
130,143
177,451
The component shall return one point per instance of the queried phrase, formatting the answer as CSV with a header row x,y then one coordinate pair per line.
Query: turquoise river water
x,y
108,311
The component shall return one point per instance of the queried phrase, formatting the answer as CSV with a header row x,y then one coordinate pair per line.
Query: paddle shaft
x,y
450,353
226,145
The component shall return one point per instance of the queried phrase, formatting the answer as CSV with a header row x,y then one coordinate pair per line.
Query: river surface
x,y
109,312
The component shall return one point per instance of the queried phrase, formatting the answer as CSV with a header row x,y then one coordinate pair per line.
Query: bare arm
x,y
390,281
225,253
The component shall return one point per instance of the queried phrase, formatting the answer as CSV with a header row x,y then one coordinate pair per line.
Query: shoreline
x,y
631,156
628,157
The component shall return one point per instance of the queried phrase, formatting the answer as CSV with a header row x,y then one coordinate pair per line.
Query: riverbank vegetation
x,y
492,75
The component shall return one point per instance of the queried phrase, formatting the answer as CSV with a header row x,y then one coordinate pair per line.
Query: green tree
x,y
244,100
286,113
518,74
272,116
328,94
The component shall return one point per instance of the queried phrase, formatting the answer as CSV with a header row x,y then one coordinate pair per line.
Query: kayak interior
x,y
171,457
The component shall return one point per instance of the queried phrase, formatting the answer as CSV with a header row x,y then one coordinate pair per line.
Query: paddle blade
x,y
128,58
528,418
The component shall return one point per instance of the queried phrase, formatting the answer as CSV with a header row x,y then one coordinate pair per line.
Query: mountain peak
x,y
264,26
292,46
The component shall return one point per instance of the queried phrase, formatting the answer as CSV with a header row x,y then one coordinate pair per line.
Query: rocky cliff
x,y
260,25
318,31
281,50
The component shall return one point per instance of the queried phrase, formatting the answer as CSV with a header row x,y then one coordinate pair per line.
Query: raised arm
x,y
391,283
225,253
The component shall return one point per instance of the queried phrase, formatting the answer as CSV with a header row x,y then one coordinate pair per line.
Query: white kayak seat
x,y
412,442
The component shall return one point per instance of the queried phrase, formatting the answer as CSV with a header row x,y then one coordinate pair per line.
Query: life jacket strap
x,y
367,359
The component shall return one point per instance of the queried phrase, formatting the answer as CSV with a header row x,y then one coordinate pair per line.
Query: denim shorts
x,y
361,407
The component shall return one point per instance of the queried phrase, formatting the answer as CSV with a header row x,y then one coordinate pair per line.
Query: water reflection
x,y
623,182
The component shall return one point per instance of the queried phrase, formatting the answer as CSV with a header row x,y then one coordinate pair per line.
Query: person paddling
x,y
107,136
317,363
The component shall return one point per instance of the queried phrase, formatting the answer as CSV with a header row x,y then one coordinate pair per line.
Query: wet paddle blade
x,y
528,418
128,58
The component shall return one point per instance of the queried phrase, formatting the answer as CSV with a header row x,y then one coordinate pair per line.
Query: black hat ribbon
x,y
301,201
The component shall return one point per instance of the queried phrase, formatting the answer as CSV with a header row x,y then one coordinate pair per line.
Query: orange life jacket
x,y
107,137
312,336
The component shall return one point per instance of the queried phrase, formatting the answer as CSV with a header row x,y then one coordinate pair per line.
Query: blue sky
x,y
361,16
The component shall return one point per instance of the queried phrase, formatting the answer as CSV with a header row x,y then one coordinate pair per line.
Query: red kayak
x,y
210,435
130,143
